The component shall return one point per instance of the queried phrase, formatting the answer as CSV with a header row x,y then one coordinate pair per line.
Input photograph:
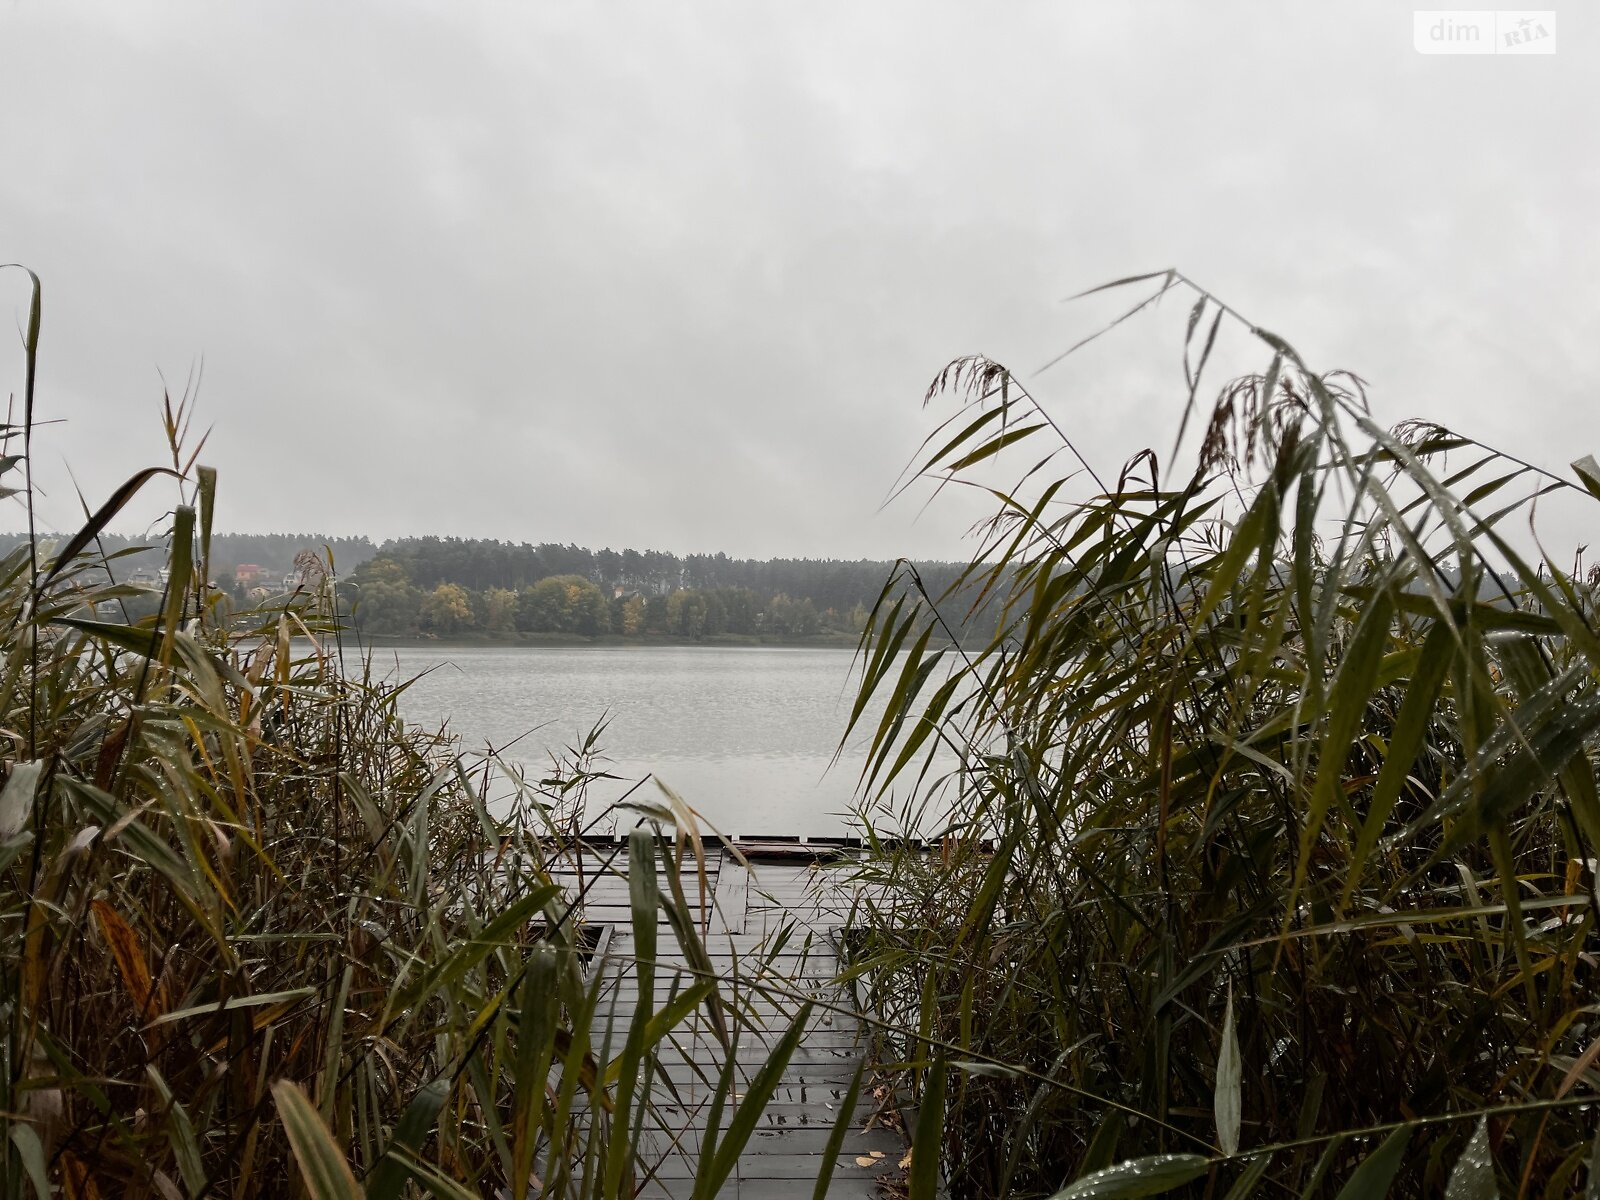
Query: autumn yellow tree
x,y
501,615
633,616
446,609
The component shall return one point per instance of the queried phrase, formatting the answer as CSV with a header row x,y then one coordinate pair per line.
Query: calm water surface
x,y
744,734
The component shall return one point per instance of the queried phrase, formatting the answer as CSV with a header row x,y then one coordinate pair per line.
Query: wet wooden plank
x,y
789,896
733,894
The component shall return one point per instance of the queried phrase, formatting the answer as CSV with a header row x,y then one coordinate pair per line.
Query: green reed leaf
x,y
1148,1176
1371,1180
323,1168
1228,1089
1472,1178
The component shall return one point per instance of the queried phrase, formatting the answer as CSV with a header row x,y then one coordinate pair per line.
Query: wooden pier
x,y
771,935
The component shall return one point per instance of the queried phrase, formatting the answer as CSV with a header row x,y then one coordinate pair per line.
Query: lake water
x,y
746,735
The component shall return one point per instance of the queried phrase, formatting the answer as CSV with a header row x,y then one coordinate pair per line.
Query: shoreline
x,y
824,641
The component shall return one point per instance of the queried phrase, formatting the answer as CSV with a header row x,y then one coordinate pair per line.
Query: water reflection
x,y
745,734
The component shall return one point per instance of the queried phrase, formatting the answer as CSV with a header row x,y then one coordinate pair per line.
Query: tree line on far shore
x,y
447,587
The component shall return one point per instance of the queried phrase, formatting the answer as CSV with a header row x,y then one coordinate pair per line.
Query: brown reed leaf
x,y
129,954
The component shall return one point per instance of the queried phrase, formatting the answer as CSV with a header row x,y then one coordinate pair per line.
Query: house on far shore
x,y
248,574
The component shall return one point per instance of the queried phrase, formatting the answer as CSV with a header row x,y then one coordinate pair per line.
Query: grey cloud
x,y
676,275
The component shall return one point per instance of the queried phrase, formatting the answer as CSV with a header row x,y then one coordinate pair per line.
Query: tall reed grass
x,y
1271,863
1270,867
260,937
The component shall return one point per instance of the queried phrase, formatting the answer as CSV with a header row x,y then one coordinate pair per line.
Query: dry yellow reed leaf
x,y
129,954
76,1181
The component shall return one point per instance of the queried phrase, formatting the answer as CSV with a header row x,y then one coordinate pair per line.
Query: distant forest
x,y
450,587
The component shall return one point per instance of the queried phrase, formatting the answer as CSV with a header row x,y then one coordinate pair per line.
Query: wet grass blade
x,y
389,1176
1149,1176
928,1141
1228,1085
1371,1180
645,901
323,1169
760,1090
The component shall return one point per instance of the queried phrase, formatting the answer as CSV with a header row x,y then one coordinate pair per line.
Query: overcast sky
x,y
676,274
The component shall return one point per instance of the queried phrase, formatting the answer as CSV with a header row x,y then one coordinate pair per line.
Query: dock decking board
x,y
785,1154
733,894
